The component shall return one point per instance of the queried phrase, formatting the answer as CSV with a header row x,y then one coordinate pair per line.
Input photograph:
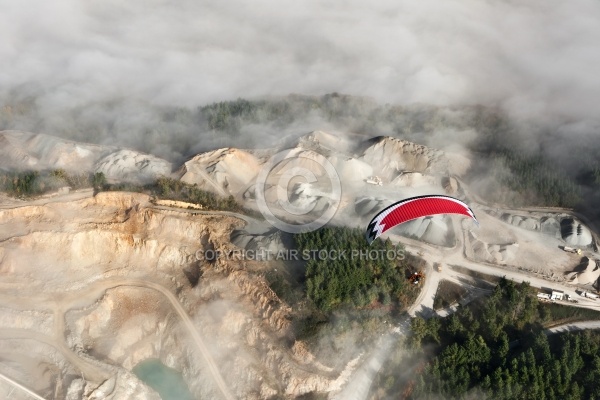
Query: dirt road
x,y
359,386
574,326
22,388
62,302
89,370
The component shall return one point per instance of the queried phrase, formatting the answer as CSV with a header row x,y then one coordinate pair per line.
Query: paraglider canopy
x,y
413,208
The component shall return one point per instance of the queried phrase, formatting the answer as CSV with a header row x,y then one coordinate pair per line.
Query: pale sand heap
x,y
575,233
29,151
390,157
23,150
434,230
586,273
132,166
223,171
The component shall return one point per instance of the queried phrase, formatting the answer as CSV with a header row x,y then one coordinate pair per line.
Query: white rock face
x,y
587,272
351,169
132,166
23,150
415,179
389,157
223,171
75,390
574,233
74,252
493,253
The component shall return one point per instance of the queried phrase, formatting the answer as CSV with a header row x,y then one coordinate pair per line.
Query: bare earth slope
x,y
30,151
91,287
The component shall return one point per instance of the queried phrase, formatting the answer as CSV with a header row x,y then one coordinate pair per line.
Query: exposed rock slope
x,y
73,281
30,151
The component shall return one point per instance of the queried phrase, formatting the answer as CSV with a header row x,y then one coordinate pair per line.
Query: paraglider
x,y
413,208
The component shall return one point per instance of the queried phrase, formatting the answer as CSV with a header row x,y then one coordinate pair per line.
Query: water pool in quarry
x,y
167,382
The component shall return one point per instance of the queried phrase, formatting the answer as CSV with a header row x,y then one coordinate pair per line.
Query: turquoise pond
x,y
167,382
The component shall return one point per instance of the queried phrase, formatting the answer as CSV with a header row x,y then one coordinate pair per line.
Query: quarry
x,y
94,284
344,200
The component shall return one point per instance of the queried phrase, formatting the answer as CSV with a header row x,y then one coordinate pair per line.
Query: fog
x,y
535,60
110,72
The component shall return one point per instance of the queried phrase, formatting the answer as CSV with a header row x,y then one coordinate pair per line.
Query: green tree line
x,y
173,189
496,348
34,183
355,281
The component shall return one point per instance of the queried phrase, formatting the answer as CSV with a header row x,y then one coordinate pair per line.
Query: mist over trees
x,y
496,348
33,183
514,162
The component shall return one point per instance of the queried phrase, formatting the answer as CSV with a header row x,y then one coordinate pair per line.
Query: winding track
x,y
191,329
574,326
21,387
95,290
61,302
359,386
89,295
89,370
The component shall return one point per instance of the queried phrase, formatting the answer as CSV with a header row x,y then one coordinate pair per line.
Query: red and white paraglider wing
x,y
413,208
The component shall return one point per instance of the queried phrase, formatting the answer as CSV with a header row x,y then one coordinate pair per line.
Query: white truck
x,y
590,295
543,296
374,180
572,250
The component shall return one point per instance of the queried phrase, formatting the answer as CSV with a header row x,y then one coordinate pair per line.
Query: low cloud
x,y
532,58
72,60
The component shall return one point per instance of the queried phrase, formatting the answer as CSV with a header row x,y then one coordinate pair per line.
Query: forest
x,y
339,306
495,348
378,278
